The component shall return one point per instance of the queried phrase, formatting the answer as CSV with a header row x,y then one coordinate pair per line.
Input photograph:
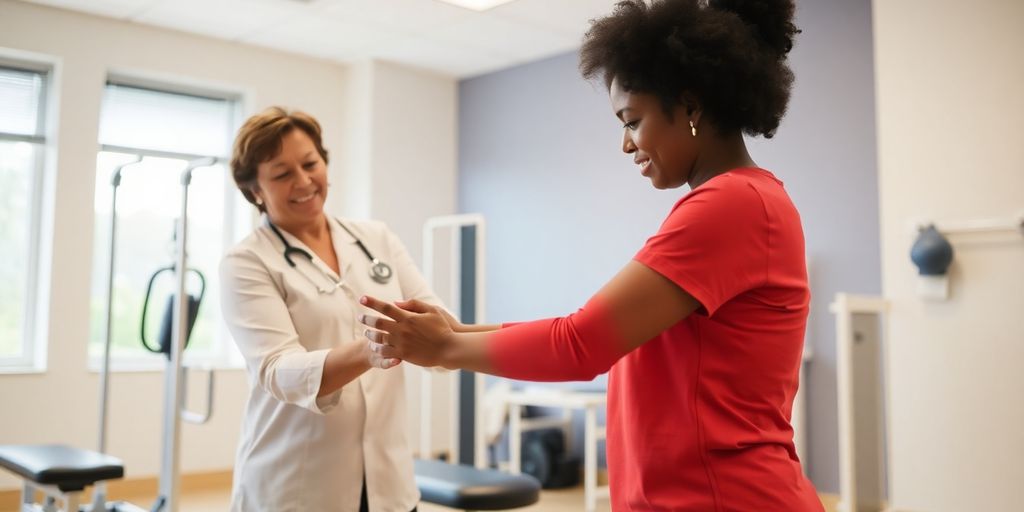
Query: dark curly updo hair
x,y
728,55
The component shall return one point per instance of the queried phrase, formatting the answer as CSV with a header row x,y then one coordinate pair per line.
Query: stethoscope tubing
x,y
380,272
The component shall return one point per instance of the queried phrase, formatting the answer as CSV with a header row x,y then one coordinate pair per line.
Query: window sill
x,y
22,370
159,367
125,367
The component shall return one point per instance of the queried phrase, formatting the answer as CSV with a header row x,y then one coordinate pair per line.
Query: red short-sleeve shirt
x,y
699,415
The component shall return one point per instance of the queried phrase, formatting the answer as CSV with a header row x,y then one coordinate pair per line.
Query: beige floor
x,y
551,501
218,500
567,500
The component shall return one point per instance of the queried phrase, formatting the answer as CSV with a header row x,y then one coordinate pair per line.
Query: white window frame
x,y
223,357
33,346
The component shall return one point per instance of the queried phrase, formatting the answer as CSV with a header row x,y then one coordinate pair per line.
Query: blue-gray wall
x,y
540,157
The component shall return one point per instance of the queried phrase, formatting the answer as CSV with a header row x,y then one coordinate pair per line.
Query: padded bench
x,y
469,488
60,471
63,472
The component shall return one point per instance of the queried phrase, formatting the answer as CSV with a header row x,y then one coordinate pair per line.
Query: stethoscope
x,y
380,272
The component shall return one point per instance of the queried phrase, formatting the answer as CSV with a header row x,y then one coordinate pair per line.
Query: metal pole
x,y
980,226
100,491
170,465
426,379
480,384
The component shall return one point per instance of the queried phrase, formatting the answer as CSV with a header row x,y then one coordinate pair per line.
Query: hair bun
x,y
771,20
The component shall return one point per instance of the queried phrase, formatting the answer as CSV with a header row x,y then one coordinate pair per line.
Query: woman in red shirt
x,y
703,330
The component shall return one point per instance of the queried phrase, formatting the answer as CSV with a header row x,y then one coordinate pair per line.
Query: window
x,y
166,129
22,143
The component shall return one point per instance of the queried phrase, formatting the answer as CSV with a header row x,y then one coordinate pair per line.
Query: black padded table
x,y
69,469
469,488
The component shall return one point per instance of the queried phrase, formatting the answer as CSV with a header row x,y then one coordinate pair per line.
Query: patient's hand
x,y
422,335
417,306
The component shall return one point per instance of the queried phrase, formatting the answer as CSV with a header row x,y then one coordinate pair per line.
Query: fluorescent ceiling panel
x,y
477,5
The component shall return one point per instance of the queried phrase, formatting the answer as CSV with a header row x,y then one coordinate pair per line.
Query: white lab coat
x,y
298,452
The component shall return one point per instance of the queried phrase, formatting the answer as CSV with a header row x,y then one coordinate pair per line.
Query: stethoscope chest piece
x,y
380,272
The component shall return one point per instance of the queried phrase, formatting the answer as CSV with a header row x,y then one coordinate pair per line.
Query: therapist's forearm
x,y
344,364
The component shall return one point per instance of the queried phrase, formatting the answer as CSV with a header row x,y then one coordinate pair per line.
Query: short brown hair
x,y
259,140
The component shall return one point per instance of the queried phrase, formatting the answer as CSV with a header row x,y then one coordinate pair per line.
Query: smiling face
x,y
293,183
664,149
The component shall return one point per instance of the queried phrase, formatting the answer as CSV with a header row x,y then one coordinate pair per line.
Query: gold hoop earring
x,y
693,129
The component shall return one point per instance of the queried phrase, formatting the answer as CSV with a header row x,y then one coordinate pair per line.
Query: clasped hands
x,y
412,331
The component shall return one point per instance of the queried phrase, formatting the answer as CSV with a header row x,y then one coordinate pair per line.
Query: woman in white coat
x,y
325,423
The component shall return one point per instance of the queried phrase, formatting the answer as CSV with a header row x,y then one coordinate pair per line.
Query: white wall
x,y
60,405
413,137
402,170
400,147
949,81
352,194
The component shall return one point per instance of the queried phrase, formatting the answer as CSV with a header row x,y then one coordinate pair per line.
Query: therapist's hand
x,y
377,360
422,338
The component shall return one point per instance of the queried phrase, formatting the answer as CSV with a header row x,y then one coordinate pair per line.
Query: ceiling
x,y
424,33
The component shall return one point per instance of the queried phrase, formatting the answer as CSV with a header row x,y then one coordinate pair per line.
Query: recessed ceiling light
x,y
476,5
